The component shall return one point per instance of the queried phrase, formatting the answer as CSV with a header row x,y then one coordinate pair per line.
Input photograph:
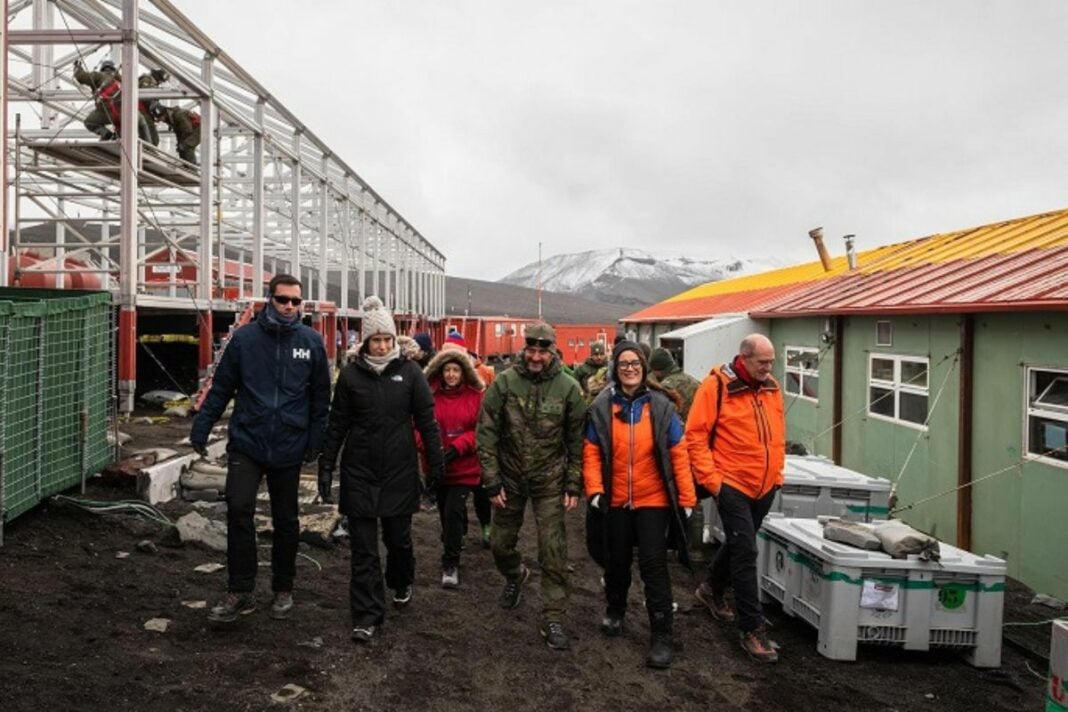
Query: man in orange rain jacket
x,y
736,438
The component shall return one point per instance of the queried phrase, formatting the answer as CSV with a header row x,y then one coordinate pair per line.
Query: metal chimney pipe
x,y
817,236
851,252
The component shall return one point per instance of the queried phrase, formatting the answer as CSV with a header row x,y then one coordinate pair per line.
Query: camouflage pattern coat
x,y
685,385
530,432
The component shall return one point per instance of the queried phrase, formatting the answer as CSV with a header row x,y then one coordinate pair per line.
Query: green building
x,y
940,364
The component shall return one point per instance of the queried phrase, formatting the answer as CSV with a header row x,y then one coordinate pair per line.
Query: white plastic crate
x,y
814,486
854,596
1057,694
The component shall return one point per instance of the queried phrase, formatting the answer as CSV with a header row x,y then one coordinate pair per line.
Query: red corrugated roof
x,y
1032,279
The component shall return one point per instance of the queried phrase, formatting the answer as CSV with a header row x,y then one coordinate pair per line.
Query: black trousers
x,y
648,529
735,562
367,600
452,509
243,475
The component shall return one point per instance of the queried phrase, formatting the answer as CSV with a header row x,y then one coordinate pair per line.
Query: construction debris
x,y
161,397
287,694
197,529
209,568
157,625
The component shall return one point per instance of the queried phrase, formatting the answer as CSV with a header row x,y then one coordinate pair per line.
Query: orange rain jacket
x,y
736,434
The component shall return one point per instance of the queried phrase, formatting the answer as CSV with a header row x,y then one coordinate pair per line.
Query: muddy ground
x,y
72,637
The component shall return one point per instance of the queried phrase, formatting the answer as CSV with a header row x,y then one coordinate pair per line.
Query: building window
x,y
803,372
898,388
498,329
1047,414
884,333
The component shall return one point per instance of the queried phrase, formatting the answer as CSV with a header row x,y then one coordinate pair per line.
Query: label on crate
x,y
952,596
879,595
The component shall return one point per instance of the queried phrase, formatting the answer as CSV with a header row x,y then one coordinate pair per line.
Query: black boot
x,y
661,646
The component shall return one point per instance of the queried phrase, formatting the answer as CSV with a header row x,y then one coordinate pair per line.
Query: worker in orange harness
x,y
736,438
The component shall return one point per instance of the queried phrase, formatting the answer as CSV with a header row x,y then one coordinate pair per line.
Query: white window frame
x,y
898,388
801,373
1041,412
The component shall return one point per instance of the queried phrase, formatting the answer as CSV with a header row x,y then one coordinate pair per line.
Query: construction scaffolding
x,y
267,197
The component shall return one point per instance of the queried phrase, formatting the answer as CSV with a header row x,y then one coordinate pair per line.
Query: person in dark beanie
x,y
637,477
278,374
426,347
673,379
377,399
591,365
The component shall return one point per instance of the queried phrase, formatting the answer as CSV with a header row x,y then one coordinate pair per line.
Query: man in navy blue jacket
x,y
276,369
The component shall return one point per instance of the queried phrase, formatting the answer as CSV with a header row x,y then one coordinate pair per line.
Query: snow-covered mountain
x,y
629,276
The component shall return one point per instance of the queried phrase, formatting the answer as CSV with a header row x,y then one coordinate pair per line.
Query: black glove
x,y
450,454
311,456
200,449
326,481
598,503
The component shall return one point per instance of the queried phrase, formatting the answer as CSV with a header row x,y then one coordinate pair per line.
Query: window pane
x,y
811,386
794,357
1055,393
809,361
914,373
1048,437
881,402
882,369
793,382
913,408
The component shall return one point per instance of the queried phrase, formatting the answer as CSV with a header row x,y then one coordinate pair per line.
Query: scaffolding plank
x,y
157,168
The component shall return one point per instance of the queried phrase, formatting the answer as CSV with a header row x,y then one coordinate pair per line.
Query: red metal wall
x,y
574,340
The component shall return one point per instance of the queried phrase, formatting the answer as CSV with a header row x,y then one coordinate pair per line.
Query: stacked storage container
x,y
855,596
814,486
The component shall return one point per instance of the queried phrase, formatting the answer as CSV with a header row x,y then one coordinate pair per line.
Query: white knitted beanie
x,y
376,319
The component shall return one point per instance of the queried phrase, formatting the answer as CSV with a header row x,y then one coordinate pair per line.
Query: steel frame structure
x,y
267,193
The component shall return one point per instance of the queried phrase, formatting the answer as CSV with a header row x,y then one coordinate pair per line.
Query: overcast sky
x,y
696,126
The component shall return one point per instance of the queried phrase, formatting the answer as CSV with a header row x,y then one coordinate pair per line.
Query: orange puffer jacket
x,y
635,455
747,431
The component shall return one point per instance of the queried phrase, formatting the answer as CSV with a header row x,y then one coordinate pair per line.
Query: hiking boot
x,y
485,536
512,593
715,602
757,646
402,596
554,635
660,651
363,633
231,606
450,578
612,626
281,605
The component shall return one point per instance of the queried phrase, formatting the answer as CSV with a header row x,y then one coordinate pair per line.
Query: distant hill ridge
x,y
629,277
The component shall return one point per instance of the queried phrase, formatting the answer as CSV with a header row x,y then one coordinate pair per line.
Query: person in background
x,y
591,365
377,400
637,475
736,438
277,372
457,393
665,372
530,448
426,348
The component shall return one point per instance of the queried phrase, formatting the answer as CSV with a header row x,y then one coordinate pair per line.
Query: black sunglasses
x,y
295,301
540,343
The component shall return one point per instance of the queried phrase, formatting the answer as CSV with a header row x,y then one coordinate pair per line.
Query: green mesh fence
x,y
56,375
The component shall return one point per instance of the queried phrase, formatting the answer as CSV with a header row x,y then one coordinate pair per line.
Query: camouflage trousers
x,y
552,547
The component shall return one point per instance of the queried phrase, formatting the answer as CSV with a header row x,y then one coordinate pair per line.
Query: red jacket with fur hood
x,y
456,410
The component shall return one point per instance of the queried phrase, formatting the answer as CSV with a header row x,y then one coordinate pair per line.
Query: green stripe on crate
x,y
867,509
1053,706
840,576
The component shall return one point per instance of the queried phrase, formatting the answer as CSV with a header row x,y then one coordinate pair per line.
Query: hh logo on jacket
x,y
302,354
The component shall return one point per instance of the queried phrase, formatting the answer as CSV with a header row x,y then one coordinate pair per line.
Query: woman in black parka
x,y
377,400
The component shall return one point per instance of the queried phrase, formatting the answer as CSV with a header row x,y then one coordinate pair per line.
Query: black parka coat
x,y
371,421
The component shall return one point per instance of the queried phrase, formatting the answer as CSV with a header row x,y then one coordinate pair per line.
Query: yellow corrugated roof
x,y
1027,233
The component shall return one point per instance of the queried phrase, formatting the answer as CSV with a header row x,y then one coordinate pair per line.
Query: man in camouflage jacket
x,y
530,435
673,379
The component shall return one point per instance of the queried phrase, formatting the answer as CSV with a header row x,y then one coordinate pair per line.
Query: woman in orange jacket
x,y
637,475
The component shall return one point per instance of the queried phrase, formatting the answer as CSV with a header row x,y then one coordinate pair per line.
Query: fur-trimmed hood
x,y
437,364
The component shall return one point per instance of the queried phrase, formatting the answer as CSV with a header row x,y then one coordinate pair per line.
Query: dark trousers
x,y
243,475
483,508
648,529
366,595
735,562
452,509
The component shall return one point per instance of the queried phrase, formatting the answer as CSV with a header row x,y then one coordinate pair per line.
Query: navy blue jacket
x,y
281,378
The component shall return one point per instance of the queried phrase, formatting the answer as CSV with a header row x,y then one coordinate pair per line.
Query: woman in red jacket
x,y
457,398
637,476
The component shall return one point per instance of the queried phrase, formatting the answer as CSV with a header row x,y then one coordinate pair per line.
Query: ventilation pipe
x,y
851,252
817,236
